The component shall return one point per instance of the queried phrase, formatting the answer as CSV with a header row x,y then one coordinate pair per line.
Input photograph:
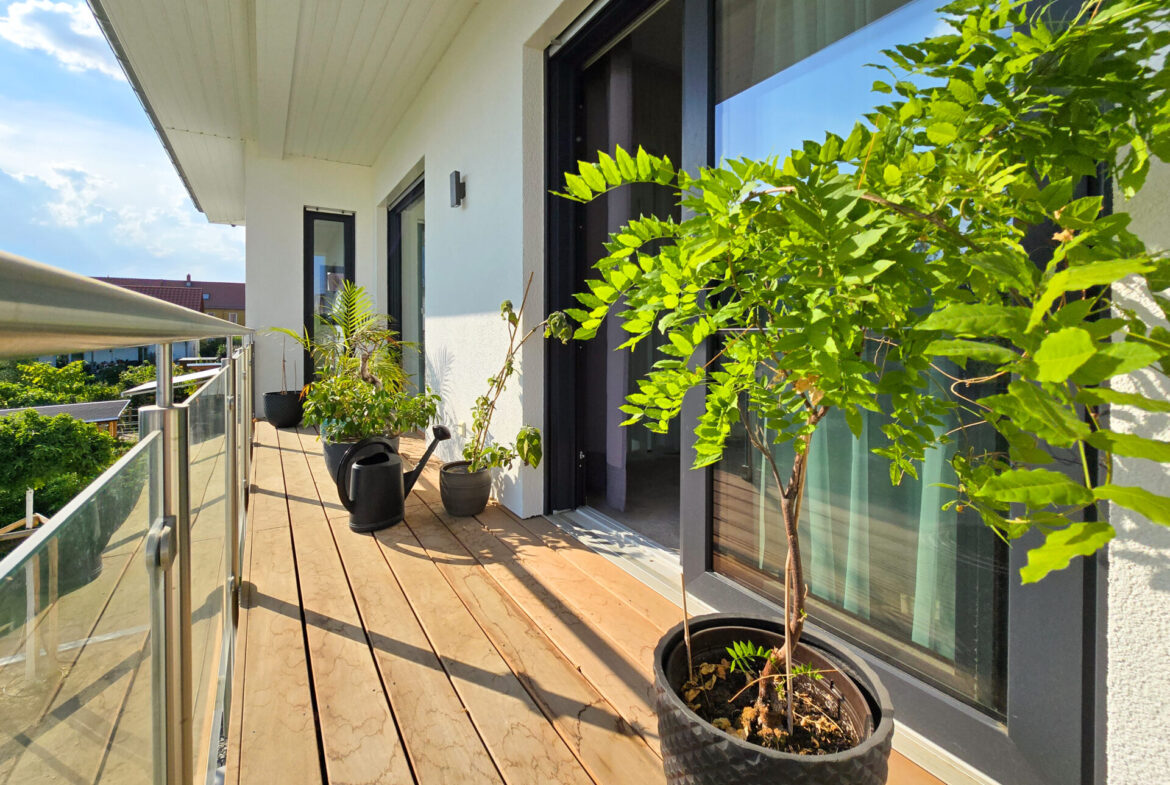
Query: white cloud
x,y
66,31
117,181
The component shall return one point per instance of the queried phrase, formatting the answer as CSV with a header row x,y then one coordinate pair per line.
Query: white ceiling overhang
x,y
325,79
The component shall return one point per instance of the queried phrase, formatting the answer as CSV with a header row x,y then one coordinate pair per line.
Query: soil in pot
x,y
727,696
464,493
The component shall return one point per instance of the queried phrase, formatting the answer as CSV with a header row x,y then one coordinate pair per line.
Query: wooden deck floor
x,y
443,650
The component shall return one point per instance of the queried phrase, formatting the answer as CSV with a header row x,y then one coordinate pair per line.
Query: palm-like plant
x,y
351,337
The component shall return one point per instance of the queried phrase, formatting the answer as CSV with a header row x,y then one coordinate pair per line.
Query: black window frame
x,y
1053,733
413,194
349,234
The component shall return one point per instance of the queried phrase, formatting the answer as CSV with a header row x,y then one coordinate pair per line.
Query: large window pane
x,y
329,262
886,567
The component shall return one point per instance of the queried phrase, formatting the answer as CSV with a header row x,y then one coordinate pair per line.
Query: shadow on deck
x,y
441,650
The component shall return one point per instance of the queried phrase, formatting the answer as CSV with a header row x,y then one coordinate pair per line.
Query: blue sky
x,y
85,183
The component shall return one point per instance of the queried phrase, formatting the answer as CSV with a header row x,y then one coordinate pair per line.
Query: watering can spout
x,y
441,433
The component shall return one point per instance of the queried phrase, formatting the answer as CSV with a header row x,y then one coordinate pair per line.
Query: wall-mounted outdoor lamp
x,y
458,189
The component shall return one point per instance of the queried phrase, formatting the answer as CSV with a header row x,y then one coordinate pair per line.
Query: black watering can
x,y
372,483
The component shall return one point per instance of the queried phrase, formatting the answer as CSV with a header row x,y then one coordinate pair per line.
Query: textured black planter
x,y
464,493
696,753
282,409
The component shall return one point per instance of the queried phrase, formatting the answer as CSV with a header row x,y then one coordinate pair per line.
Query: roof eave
x,y
107,29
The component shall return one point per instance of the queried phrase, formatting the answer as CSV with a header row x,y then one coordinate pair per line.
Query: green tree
x,y
39,384
55,456
851,274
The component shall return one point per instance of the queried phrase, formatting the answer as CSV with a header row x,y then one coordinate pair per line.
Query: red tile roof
x,y
226,295
188,297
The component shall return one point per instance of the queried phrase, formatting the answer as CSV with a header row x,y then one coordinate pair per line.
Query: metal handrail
x,y
44,310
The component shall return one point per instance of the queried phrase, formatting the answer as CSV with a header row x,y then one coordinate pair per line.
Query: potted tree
x,y
283,408
466,485
852,278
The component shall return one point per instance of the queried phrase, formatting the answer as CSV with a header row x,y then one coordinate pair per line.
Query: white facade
x,y
488,123
1138,627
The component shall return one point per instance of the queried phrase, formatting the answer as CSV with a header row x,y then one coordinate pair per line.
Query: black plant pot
x,y
335,451
282,409
694,752
464,493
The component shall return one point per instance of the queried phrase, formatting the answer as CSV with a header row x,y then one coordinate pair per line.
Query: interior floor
x,y
651,500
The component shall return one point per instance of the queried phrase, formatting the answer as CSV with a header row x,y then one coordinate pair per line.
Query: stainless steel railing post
x,y
234,489
169,541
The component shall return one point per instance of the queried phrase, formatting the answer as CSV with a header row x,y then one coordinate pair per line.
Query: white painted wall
x,y
276,194
481,112
1138,629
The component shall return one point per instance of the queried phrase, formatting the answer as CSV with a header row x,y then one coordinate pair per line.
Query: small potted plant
x,y
347,409
465,486
893,271
283,408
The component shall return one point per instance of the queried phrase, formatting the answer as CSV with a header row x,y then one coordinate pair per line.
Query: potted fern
x,y
360,386
846,279
465,486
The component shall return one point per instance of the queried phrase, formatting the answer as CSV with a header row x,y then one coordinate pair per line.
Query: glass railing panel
x,y
75,656
208,485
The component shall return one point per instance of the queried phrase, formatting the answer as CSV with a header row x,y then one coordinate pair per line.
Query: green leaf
x,y
626,164
971,350
942,133
577,187
865,273
963,319
963,92
1097,396
1029,407
609,169
592,177
1083,276
1036,488
1115,359
1063,545
1080,214
643,162
1151,505
1130,445
1062,352
892,174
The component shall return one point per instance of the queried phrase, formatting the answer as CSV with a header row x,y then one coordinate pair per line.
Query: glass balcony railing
x,y
117,616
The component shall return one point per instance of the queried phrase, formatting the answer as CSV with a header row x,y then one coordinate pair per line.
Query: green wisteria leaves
x,y
956,222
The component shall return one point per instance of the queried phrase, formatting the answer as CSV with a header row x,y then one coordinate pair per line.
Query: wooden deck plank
x,y
601,608
497,618
658,610
443,745
623,682
277,729
604,742
522,743
358,733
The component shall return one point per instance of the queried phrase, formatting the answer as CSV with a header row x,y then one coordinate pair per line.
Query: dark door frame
x,y
394,212
1053,733
347,220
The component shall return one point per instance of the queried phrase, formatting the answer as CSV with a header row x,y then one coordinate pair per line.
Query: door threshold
x,y
652,564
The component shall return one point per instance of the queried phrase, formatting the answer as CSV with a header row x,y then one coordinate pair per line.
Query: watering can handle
x,y
352,456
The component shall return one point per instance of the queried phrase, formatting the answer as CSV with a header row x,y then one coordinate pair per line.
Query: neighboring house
x,y
222,299
101,413
338,132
